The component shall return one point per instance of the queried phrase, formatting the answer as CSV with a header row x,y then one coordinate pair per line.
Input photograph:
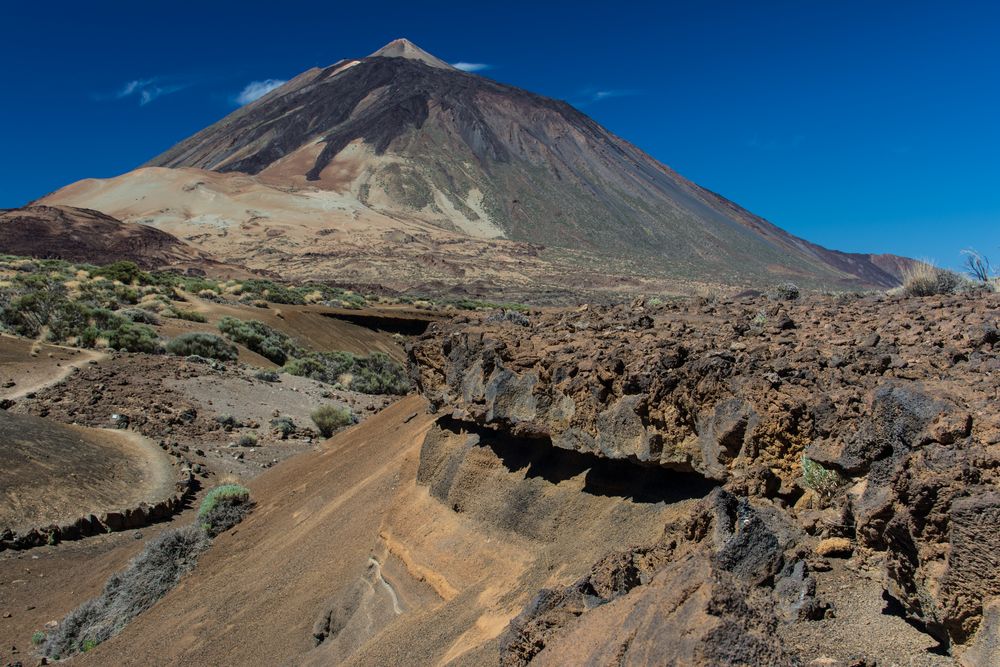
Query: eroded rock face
x,y
893,399
715,388
704,595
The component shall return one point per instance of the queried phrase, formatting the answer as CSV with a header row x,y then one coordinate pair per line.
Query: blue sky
x,y
863,126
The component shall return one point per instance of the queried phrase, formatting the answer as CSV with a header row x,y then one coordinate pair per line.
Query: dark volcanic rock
x,y
900,424
701,596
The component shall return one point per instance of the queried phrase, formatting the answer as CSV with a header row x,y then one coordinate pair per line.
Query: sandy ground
x,y
41,585
346,530
21,373
314,327
54,473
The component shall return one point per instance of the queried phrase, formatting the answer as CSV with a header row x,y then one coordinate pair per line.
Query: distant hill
x,y
87,236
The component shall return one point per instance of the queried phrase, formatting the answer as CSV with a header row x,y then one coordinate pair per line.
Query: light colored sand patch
x,y
33,373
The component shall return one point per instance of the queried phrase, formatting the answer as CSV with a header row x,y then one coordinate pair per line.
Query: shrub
x,y
133,338
189,315
38,638
925,279
124,272
377,373
784,292
284,426
329,418
127,594
267,376
262,339
228,422
247,440
140,316
273,292
205,345
224,507
823,481
981,269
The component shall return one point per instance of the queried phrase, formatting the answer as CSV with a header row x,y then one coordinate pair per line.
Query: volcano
x,y
400,170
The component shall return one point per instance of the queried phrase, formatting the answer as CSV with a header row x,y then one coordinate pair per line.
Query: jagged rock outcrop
x,y
711,592
889,401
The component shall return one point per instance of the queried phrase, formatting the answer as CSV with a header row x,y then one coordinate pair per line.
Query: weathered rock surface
x,y
704,595
892,401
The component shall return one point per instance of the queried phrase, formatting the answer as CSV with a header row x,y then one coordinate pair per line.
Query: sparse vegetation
x,y
284,426
377,373
267,376
259,337
205,345
148,577
784,292
980,268
823,481
38,638
182,314
925,279
128,593
330,418
224,507
247,440
479,304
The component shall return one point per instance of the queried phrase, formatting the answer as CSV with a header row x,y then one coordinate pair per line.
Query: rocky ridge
x,y
861,426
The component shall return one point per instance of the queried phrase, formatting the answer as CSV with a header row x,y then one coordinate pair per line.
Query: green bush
x,y
329,418
267,376
259,337
205,345
224,507
189,315
925,279
38,638
822,480
140,316
273,292
377,373
247,440
284,426
124,272
133,338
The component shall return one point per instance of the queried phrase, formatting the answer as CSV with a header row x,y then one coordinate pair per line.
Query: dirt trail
x,y
54,473
27,374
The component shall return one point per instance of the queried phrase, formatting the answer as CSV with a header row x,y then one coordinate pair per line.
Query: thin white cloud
x,y
592,95
599,95
470,67
257,89
145,90
132,86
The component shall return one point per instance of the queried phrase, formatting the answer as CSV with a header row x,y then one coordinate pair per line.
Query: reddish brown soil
x,y
55,473
91,237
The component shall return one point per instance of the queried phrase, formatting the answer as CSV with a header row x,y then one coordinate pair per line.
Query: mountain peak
x,y
404,48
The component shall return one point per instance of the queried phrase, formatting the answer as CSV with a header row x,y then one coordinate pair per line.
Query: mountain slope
x,y
83,235
404,136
